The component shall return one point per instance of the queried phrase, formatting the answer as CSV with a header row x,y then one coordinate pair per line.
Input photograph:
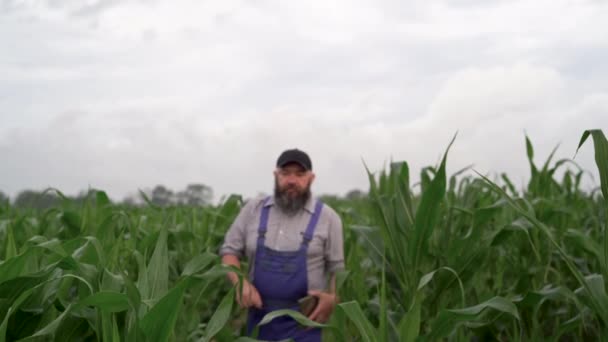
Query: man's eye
x,y
294,173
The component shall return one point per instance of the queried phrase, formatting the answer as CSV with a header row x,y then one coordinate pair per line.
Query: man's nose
x,y
290,179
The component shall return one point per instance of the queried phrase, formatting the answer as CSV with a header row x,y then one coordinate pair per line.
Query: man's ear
x,y
312,177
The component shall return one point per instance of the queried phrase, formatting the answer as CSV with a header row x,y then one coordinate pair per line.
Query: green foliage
x,y
465,258
98,271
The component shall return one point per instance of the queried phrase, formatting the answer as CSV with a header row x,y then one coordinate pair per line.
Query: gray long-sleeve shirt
x,y
284,233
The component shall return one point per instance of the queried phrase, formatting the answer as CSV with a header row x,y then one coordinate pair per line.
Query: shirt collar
x,y
309,206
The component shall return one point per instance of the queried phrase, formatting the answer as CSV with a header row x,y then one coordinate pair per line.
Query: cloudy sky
x,y
122,95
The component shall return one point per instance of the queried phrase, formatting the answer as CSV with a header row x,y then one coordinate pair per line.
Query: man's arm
x,y
334,260
233,249
232,260
332,288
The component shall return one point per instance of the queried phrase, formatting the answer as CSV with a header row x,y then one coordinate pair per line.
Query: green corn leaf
x,y
107,301
601,155
102,199
353,311
199,263
18,266
448,320
115,332
424,280
11,245
293,314
14,307
158,267
73,221
159,322
50,328
596,294
601,160
599,306
409,327
428,212
220,316
106,325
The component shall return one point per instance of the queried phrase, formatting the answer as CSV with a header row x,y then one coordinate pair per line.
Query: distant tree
x,y
162,196
355,194
181,197
329,198
84,195
130,201
36,200
196,194
3,198
135,199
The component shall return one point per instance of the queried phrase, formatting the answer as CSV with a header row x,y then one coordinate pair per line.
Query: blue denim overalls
x,y
281,278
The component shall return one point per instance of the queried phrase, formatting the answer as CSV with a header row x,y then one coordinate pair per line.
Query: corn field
x,y
462,258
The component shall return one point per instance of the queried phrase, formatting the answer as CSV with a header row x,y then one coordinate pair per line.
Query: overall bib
x,y
281,278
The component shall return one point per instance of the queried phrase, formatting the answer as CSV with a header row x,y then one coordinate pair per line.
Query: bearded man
x,y
294,246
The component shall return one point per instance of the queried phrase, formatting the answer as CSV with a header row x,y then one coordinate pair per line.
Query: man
x,y
294,246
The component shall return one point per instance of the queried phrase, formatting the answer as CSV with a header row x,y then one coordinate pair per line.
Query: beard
x,y
290,204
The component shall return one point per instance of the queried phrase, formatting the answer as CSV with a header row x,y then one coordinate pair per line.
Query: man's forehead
x,y
293,166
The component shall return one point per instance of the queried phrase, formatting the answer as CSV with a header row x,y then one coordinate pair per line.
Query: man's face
x,y
292,187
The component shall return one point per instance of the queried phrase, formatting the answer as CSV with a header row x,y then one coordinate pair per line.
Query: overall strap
x,y
263,221
312,224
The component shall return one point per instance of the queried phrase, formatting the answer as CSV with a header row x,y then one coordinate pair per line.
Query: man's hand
x,y
325,306
249,296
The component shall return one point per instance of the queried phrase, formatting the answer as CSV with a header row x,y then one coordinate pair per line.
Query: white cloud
x,y
129,94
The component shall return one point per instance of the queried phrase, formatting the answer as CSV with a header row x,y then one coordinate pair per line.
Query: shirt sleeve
x,y
234,241
334,247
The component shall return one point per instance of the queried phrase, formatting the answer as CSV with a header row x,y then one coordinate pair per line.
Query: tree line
x,y
193,195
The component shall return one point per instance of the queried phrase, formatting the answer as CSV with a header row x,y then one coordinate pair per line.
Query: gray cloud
x,y
76,8
134,94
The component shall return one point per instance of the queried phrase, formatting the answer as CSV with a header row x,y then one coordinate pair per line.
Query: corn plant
x,y
460,257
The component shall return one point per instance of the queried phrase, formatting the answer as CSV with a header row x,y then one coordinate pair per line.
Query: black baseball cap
x,y
295,156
